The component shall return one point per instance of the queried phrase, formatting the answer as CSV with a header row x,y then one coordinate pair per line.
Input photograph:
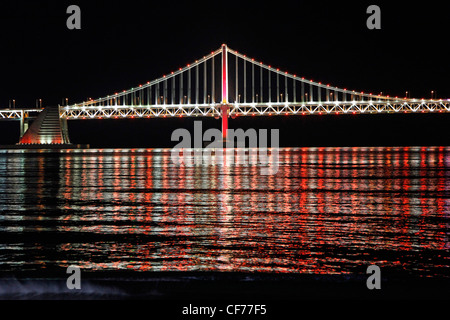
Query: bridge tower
x,y
224,108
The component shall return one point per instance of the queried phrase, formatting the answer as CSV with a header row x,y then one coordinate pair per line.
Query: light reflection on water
x,y
327,210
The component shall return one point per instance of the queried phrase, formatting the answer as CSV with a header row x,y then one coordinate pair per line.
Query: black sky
x,y
125,43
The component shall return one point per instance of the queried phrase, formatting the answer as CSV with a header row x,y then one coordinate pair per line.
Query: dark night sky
x,y
125,43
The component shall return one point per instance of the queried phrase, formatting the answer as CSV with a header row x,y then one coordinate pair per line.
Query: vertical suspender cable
x,y
278,87
245,81
236,81
157,93
270,86
286,88
253,82
213,99
261,84
173,90
196,84
165,91
204,83
181,88
189,86
295,90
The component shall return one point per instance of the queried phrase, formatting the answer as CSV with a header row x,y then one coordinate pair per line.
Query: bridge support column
x,y
224,110
23,125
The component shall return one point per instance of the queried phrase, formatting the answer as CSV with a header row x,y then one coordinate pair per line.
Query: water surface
x,y
326,211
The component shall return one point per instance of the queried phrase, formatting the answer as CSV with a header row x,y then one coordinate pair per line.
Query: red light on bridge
x,y
320,113
354,112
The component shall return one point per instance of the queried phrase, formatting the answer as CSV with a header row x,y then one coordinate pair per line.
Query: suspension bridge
x,y
222,84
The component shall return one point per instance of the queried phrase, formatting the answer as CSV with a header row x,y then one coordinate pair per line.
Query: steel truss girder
x,y
11,114
249,109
